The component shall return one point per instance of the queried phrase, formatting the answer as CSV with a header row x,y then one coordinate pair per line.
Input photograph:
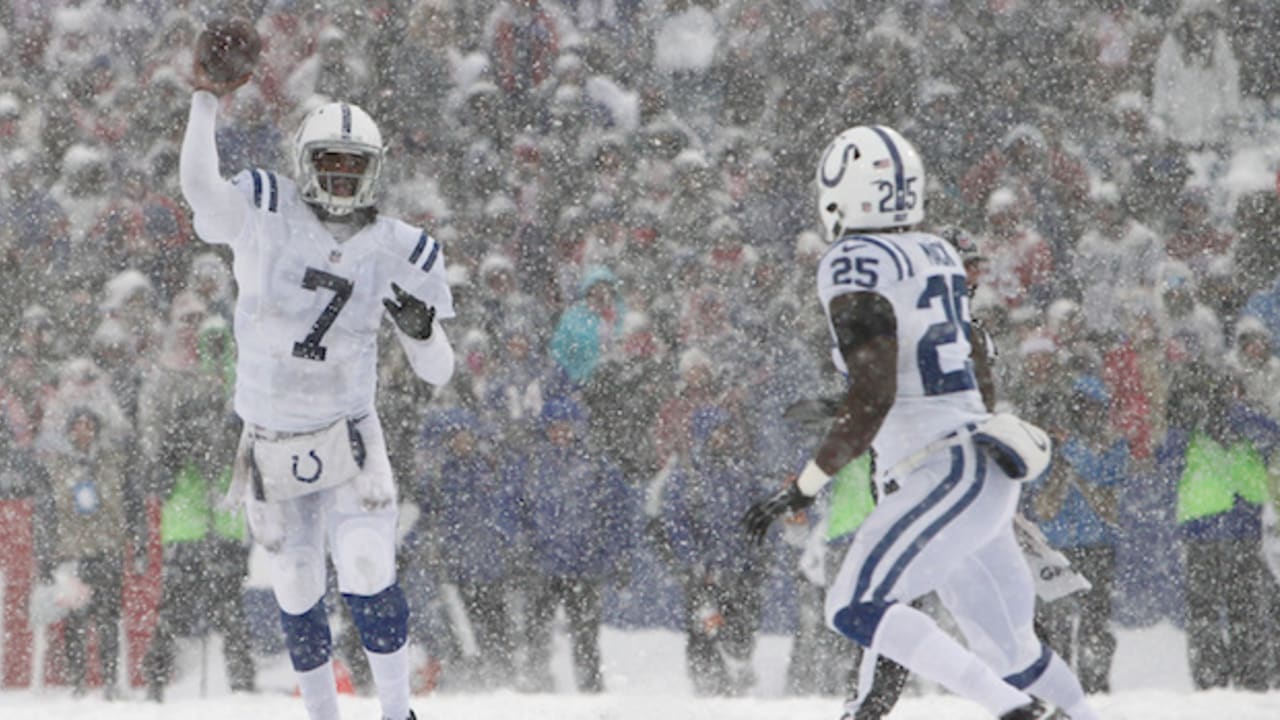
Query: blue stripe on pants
x,y
900,565
895,532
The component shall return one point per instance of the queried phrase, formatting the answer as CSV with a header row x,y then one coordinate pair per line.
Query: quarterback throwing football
x,y
317,269
948,472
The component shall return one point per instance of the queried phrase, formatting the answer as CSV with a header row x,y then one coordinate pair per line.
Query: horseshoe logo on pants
x,y
316,475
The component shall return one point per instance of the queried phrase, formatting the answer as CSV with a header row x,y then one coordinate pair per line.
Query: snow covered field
x,y
646,680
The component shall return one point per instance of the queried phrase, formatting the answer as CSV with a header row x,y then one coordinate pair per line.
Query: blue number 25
x,y
950,291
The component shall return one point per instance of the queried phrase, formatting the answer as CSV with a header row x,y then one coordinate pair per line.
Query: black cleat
x,y
1034,710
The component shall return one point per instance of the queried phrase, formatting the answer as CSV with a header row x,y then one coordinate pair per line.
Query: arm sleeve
x,y
431,359
220,211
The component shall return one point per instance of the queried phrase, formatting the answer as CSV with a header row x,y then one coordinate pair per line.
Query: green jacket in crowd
x,y
190,436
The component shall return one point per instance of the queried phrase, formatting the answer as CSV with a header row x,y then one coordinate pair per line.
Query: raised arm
x,y
220,210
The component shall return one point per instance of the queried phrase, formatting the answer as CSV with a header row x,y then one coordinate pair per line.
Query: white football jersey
x,y
309,307
923,278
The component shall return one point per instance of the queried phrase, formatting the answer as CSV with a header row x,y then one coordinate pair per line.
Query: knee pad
x,y
307,637
297,579
365,556
382,619
858,620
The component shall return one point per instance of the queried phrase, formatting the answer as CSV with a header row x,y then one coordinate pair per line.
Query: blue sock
x,y
383,622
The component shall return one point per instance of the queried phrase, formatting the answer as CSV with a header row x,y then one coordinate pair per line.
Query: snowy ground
x,y
645,675
644,672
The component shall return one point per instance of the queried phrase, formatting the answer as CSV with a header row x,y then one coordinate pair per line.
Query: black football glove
x,y
412,316
762,513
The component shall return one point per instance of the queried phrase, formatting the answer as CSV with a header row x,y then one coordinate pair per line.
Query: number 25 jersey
x,y
923,278
309,307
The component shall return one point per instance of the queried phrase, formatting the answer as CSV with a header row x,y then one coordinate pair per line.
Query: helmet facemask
x,y
341,179
338,159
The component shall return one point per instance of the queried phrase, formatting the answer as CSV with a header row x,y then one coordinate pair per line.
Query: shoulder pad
x,y
425,252
864,262
262,187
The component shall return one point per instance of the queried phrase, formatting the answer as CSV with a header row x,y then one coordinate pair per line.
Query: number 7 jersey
x,y
308,308
923,278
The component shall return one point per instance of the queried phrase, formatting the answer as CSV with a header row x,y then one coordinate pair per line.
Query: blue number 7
x,y
310,348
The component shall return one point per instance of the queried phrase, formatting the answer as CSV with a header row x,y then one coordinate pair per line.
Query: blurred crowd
x,y
623,191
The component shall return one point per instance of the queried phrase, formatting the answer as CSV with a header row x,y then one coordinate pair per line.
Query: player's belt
x,y
908,464
282,465
257,432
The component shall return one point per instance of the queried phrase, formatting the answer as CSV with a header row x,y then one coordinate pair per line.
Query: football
x,y
228,49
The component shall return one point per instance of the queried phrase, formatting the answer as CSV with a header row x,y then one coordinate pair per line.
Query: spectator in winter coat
x,y
718,562
1115,253
623,398
87,479
1264,304
1218,450
1020,264
1076,507
1256,257
524,40
1195,329
580,521
474,509
188,440
1044,174
29,378
1195,88
788,372
1194,239
520,378
1259,372
210,279
1134,369
589,327
82,384
420,72
502,299
697,385
1257,366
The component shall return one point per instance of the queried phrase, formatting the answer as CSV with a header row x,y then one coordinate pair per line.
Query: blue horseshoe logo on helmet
x,y
314,476
850,153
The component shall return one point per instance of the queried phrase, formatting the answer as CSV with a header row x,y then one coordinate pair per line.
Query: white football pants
x,y
362,542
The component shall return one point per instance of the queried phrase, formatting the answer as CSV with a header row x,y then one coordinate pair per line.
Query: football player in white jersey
x,y
317,269
948,471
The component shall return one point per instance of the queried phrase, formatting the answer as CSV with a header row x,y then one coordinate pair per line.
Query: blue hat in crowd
x,y
562,408
594,275
1091,387
444,423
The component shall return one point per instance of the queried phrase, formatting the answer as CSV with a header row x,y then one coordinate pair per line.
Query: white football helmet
x,y
869,178
338,128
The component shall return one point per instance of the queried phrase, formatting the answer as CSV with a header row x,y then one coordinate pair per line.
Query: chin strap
x,y
359,217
